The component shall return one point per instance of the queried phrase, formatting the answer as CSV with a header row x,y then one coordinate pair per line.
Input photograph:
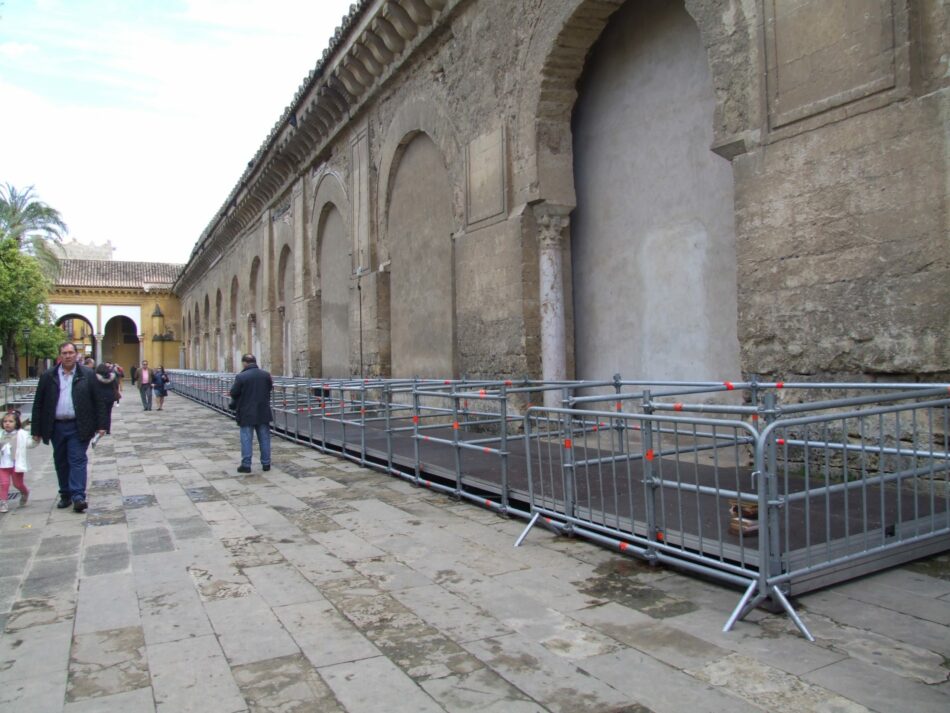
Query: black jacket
x,y
250,394
89,408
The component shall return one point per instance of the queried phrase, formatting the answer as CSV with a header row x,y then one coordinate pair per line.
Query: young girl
x,y
13,461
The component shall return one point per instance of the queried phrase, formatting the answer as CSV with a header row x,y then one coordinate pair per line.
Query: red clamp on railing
x,y
780,385
481,393
447,382
623,546
780,441
415,419
660,536
649,454
455,425
729,385
508,382
567,443
619,406
677,407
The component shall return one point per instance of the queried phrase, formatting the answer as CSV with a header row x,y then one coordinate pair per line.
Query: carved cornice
x,y
374,40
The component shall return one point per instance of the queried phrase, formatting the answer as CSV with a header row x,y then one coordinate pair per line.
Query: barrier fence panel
x,y
774,488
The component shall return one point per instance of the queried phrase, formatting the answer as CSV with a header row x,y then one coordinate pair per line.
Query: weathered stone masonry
x,y
577,188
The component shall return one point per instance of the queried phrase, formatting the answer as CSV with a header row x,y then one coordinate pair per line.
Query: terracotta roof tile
x,y
116,273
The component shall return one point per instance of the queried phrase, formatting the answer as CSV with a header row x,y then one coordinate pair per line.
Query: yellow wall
x,y
113,348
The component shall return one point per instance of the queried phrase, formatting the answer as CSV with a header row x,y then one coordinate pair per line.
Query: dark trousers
x,y
146,393
69,457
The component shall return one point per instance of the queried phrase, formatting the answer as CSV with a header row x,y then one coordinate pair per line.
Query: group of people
x,y
73,405
151,381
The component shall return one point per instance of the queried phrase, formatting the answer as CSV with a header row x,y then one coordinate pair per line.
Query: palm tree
x,y
32,224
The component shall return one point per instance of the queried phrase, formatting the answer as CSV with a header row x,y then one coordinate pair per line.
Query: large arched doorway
x,y
80,331
120,343
422,296
653,235
335,278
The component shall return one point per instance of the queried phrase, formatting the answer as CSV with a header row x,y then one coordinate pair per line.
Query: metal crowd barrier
x,y
19,395
777,489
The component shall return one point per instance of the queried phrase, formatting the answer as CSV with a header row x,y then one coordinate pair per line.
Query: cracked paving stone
x,y
38,611
251,551
104,663
288,684
210,588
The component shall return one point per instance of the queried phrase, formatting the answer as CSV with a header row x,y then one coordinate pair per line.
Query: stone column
x,y
552,222
97,351
141,348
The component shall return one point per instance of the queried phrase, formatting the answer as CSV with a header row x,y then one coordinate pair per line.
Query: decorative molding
x,y
552,221
365,51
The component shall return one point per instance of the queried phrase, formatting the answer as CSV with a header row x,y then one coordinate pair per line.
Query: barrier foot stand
x,y
524,534
743,606
786,605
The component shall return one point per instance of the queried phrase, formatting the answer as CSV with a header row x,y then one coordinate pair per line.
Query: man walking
x,y
250,398
67,411
145,386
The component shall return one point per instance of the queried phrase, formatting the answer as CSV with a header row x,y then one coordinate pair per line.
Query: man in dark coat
x,y
250,399
68,412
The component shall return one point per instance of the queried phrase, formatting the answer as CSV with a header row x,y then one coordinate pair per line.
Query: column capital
x,y
552,221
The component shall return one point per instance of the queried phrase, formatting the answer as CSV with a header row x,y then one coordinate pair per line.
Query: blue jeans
x,y
69,457
247,443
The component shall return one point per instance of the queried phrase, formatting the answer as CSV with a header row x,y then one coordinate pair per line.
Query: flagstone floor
x,y
323,586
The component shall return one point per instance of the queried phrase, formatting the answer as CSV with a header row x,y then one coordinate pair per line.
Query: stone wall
x,y
833,114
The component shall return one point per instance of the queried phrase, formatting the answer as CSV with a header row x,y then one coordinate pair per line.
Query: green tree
x,y
32,224
23,217
24,301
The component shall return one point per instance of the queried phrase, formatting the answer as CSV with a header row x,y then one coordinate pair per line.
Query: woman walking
x,y
160,386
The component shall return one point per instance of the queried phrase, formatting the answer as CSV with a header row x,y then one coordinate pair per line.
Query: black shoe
x,y
266,468
80,505
244,469
64,502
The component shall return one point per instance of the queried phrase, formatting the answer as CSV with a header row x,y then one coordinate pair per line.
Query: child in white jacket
x,y
14,464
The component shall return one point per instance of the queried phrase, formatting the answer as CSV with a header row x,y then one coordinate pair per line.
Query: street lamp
x,y
26,339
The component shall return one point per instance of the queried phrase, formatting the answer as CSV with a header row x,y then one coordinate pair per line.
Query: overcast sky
x,y
136,118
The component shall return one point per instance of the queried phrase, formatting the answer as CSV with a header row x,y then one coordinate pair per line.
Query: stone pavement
x,y
322,586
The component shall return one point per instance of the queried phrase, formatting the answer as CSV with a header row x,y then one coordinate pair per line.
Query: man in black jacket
x,y
250,398
68,412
